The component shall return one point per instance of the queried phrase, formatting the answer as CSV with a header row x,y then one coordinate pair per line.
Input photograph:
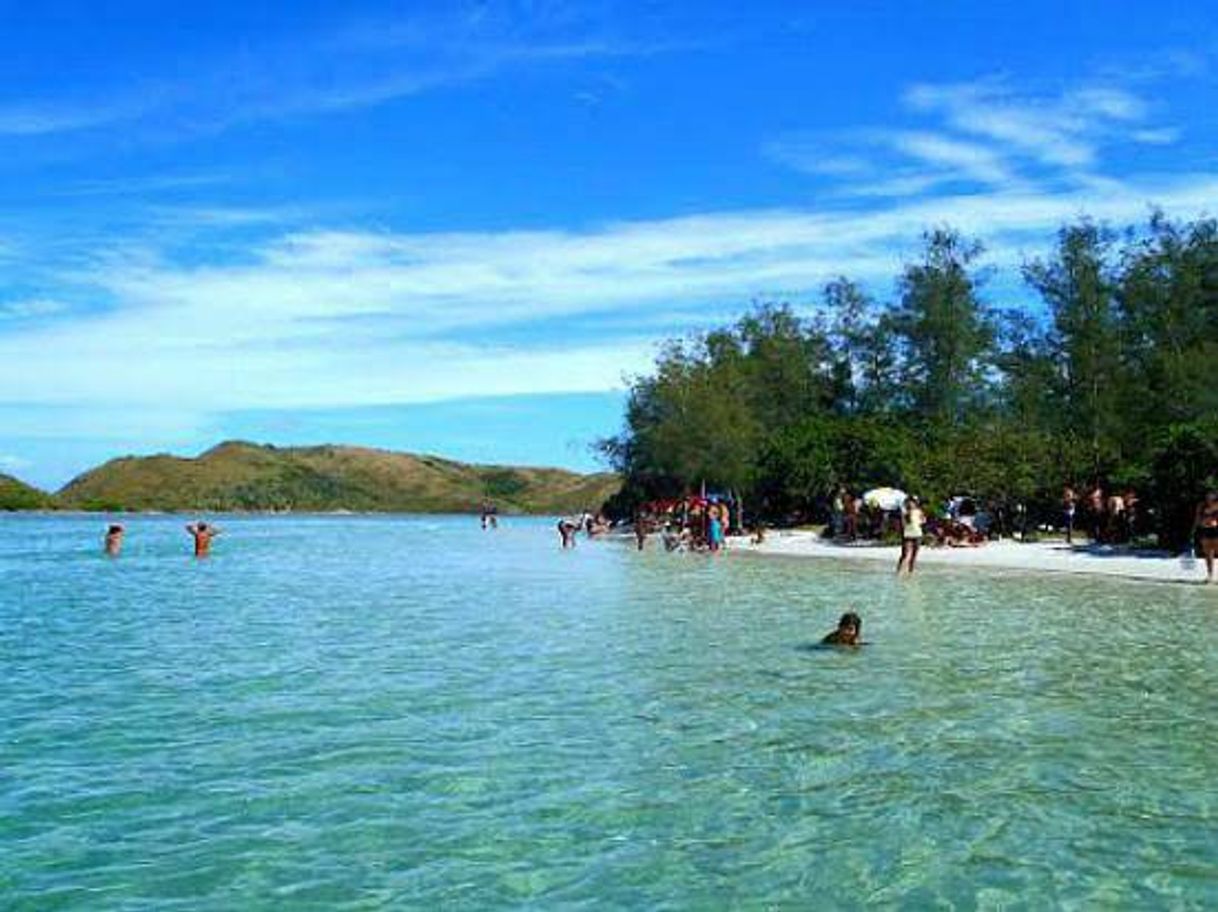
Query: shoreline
x,y
1041,557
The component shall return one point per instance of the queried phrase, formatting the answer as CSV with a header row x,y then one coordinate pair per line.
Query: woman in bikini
x,y
912,520
1205,527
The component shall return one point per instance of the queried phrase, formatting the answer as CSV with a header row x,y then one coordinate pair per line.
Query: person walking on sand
x,y
1095,505
851,519
203,533
114,540
1205,528
1069,505
912,520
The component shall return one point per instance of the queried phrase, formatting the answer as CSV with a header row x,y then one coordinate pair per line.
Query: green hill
x,y
245,476
17,495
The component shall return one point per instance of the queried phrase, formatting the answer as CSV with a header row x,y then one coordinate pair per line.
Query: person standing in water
x,y
114,540
566,530
912,519
642,526
1205,528
490,515
203,534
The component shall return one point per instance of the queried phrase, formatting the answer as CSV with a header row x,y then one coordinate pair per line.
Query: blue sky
x,y
456,227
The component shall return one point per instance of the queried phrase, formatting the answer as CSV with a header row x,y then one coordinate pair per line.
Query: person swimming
x,y
203,534
849,631
114,540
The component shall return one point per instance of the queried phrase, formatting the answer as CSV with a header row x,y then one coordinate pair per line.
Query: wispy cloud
x,y
956,156
140,186
31,308
986,134
361,65
340,318
1059,130
37,119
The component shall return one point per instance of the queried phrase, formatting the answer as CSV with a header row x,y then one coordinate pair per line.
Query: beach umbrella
x,y
885,498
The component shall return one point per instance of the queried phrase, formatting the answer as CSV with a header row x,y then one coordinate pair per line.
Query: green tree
x,y
945,331
1077,284
1169,304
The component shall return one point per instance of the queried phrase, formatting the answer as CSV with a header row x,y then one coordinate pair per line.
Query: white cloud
x,y
362,65
986,133
30,308
139,186
1163,136
969,159
1060,130
11,463
353,318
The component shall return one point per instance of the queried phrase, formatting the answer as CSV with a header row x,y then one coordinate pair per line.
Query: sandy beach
x,y
1050,557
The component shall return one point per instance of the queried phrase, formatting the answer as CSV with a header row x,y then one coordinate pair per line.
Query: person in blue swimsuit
x,y
714,528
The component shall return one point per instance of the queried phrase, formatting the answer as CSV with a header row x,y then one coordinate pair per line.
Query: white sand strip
x,y
1052,556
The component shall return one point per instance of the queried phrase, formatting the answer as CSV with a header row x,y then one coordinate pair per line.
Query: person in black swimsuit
x,y
1205,526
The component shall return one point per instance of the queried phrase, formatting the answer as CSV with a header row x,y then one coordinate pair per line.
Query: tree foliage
x,y
1102,372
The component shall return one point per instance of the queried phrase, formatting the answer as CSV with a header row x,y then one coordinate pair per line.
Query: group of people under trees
x,y
693,523
201,532
1112,517
962,522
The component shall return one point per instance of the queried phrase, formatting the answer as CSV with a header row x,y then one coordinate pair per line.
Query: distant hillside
x,y
245,476
17,495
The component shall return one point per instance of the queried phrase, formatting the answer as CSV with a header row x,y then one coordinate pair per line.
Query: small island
x,y
241,476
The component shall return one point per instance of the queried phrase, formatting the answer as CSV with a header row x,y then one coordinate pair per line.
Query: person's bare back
x,y
203,534
114,540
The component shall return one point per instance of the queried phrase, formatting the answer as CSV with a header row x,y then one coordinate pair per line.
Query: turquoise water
x,y
407,712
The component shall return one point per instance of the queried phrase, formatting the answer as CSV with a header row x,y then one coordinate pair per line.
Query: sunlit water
x,y
411,713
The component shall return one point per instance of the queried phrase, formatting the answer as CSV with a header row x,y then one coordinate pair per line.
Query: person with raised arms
x,y
202,533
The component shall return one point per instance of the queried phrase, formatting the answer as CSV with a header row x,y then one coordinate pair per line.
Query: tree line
x,y
1107,373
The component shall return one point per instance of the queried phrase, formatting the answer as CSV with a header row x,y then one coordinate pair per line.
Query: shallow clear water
x,y
409,712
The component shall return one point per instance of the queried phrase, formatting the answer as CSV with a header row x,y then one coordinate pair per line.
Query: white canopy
x,y
885,498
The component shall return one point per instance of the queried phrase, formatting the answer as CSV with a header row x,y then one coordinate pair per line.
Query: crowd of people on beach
x,y
702,524
1112,517
696,523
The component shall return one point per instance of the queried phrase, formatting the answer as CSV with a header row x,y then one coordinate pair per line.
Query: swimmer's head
x,y
200,525
851,623
114,530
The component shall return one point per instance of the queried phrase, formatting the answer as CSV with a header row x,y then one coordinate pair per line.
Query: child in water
x,y
849,631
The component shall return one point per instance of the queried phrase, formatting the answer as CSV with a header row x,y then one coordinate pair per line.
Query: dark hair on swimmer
x,y
115,528
850,619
